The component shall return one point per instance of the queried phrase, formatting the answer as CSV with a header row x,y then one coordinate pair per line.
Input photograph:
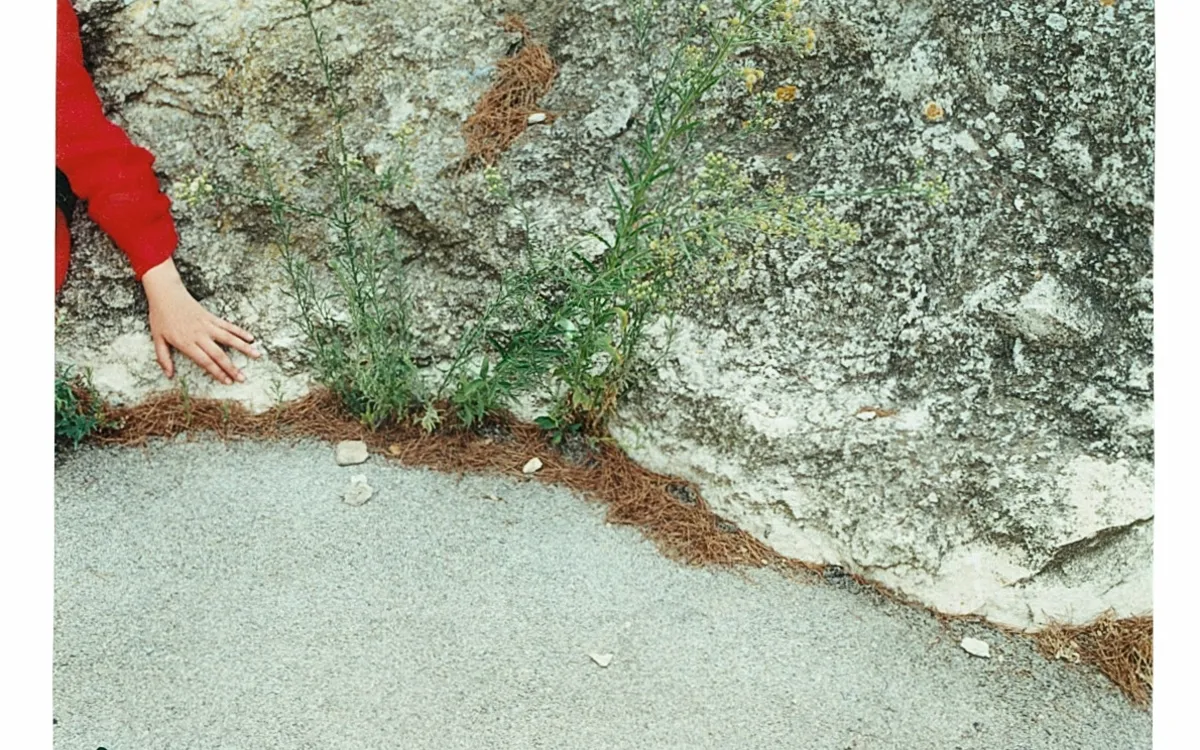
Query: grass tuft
x,y
79,412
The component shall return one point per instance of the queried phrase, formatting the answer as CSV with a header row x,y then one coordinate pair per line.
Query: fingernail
x,y
228,381
241,378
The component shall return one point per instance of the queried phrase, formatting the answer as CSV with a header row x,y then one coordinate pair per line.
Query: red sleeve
x,y
103,166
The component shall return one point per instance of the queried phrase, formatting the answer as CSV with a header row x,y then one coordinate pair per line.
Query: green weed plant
x,y
78,409
569,324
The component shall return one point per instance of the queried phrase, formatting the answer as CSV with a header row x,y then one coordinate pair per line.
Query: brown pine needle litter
x,y
1123,649
502,114
668,510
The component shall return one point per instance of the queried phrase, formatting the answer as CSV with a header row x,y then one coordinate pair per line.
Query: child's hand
x,y
178,321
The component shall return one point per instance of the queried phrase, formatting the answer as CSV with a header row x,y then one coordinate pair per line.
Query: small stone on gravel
x,y
350,452
358,492
602,659
976,647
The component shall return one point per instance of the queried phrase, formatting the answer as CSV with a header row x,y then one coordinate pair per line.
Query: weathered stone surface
x,y
1009,331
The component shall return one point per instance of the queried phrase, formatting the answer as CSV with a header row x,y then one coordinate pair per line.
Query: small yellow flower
x,y
934,112
785,93
752,76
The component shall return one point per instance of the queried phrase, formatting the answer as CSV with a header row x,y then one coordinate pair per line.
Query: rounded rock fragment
x,y
350,452
358,491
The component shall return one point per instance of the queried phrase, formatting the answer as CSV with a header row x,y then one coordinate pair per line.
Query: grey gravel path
x,y
223,596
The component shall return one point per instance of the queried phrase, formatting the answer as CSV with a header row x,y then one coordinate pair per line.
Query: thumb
x,y
163,353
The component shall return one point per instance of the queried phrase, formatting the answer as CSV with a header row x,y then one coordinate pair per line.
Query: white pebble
x,y
358,492
350,452
602,659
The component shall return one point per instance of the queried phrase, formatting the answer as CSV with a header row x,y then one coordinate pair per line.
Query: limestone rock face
x,y
1002,340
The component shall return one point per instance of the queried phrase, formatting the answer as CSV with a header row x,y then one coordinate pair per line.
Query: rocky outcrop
x,y
959,406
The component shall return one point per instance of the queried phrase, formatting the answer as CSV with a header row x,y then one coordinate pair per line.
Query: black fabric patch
x,y
63,197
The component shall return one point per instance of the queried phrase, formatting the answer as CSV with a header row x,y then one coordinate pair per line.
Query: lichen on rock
x,y
1006,334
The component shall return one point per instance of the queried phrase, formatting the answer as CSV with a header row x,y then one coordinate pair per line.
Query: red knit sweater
x,y
104,167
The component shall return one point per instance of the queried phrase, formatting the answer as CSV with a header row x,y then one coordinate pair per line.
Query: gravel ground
x,y
224,596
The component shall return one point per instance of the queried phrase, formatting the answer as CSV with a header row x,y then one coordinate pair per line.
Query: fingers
x,y
198,355
162,352
235,330
203,346
225,338
229,371
208,355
